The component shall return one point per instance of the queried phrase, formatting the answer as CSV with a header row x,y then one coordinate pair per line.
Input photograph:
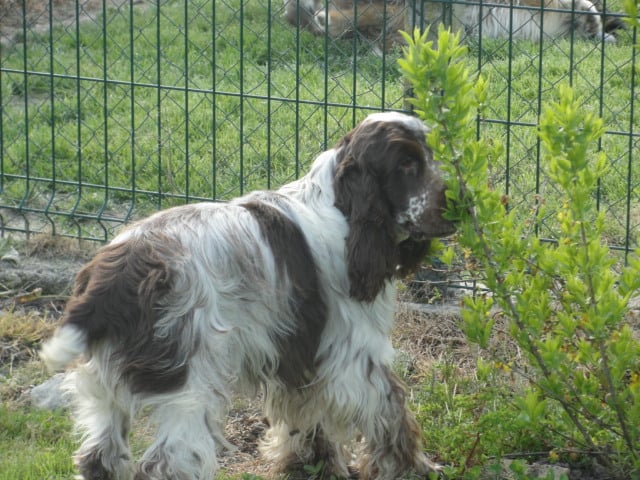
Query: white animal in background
x,y
520,19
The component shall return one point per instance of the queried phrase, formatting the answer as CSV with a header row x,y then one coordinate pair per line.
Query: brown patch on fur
x,y
118,296
409,256
295,262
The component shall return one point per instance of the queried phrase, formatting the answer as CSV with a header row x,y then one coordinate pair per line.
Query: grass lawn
x,y
159,104
35,444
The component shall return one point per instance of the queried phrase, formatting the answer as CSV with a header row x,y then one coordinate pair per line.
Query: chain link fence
x,y
111,109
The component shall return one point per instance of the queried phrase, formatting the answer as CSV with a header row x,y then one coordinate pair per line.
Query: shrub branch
x,y
564,303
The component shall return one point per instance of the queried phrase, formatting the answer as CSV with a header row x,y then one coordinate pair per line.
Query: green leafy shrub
x,y
564,302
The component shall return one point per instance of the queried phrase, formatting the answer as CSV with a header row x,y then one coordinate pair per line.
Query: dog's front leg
x,y
394,438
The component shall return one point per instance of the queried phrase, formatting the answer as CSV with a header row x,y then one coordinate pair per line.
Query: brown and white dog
x,y
290,291
520,19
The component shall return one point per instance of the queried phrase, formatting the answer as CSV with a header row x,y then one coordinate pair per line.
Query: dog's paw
x,y
424,467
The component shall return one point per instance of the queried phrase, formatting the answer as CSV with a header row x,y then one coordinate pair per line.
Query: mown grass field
x,y
155,105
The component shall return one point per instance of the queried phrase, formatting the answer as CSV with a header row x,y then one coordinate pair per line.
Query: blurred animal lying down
x,y
380,20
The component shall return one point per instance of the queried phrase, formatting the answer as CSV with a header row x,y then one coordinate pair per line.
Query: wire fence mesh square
x,y
112,109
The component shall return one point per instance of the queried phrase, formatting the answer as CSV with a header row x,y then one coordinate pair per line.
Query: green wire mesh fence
x,y
111,109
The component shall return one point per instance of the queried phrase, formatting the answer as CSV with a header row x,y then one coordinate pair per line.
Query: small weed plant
x,y
564,301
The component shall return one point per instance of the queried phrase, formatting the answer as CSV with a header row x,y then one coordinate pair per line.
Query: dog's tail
x,y
115,299
67,344
71,338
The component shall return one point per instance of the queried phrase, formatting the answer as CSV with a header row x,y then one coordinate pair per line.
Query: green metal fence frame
x,y
23,216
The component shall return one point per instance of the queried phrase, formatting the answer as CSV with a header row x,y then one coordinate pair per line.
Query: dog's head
x,y
390,190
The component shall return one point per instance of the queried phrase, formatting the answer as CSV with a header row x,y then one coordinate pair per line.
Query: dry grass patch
x,y
20,336
50,247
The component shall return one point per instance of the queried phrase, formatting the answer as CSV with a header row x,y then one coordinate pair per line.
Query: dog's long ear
x,y
370,242
410,255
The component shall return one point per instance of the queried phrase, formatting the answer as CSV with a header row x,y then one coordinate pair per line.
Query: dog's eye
x,y
408,165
